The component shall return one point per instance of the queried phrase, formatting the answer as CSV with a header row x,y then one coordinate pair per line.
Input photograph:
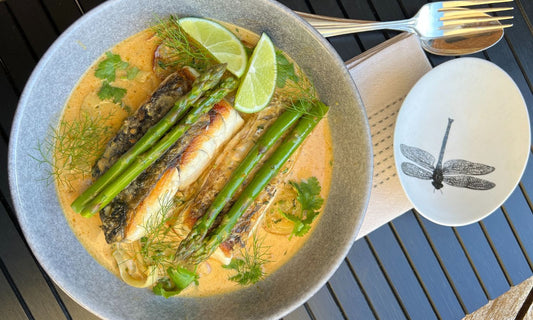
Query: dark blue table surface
x,y
408,268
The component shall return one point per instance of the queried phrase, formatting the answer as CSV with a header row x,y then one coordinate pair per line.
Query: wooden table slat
x,y
403,278
378,290
75,310
323,306
521,218
16,56
89,4
502,55
9,104
520,40
527,179
349,295
4,183
454,260
11,308
504,242
63,13
25,273
482,256
361,10
296,5
526,8
35,24
388,10
346,45
427,266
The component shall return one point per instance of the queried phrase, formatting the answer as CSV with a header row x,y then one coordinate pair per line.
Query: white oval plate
x,y
469,114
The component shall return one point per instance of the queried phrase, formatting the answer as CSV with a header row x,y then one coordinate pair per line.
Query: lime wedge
x,y
219,41
258,84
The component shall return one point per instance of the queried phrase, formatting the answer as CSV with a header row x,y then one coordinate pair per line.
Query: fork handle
x,y
330,26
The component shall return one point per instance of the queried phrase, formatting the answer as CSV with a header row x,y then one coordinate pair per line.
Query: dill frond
x,y
180,49
298,91
161,241
69,151
249,267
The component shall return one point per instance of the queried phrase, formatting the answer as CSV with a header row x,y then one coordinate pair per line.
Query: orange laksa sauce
x,y
271,239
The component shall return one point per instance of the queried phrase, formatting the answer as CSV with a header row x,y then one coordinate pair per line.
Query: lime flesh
x,y
218,41
259,82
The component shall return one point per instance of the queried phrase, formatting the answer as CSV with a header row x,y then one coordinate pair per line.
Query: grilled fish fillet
x,y
190,165
135,126
253,216
138,206
235,151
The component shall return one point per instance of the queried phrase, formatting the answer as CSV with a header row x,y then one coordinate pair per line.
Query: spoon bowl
x,y
461,45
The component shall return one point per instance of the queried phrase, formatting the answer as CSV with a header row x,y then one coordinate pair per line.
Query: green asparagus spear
x,y
144,160
194,239
263,176
204,82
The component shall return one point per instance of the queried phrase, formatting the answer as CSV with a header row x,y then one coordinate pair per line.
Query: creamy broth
x,y
314,159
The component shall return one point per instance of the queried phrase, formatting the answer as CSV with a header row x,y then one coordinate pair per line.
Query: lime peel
x,y
259,82
220,42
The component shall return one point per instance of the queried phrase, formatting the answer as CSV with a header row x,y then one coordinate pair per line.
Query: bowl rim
x,y
16,130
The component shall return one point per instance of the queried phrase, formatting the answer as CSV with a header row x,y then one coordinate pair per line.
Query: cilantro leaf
x,y
108,92
285,70
107,67
308,195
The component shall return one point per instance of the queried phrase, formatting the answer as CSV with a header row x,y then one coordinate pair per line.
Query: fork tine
x,y
447,23
471,30
463,3
470,13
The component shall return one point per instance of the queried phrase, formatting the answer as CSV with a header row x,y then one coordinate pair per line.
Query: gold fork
x,y
433,20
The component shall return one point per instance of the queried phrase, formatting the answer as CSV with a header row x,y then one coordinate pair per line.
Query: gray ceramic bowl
x,y
74,270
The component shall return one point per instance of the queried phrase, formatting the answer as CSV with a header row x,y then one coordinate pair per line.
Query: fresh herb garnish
x,y
308,195
159,244
107,68
158,248
299,93
285,70
178,279
179,49
249,267
70,150
107,71
109,92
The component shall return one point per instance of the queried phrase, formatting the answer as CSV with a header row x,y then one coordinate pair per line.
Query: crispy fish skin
x,y
234,152
136,125
224,122
253,216
116,214
139,205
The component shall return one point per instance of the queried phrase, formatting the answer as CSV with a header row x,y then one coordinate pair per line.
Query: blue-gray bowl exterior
x,y
86,281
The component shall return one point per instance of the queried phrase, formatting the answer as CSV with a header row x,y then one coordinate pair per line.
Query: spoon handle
x,y
331,26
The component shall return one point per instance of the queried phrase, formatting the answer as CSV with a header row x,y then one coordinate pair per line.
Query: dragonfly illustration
x,y
456,173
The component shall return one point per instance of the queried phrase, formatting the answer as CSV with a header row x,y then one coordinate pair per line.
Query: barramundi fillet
x,y
129,216
228,160
148,114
